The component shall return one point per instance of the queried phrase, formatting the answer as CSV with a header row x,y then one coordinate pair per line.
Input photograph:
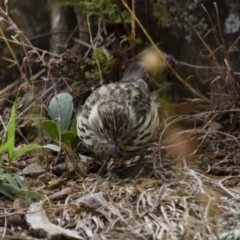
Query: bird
x,y
120,119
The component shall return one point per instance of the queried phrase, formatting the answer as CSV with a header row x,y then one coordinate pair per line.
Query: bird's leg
x,y
137,167
103,166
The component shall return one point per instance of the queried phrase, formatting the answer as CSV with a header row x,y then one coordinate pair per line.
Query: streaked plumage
x,y
119,120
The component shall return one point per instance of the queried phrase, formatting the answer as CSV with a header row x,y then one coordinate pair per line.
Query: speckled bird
x,y
120,120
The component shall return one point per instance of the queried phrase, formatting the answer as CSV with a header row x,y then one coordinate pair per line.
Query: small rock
x,y
33,170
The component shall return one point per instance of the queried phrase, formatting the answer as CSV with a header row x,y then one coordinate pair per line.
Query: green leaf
x,y
9,138
29,194
50,128
6,146
74,127
31,147
14,185
50,113
75,141
12,192
10,179
21,181
11,133
52,147
7,190
36,118
67,138
26,149
61,107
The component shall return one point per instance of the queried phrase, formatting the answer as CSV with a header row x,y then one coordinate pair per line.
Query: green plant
x,y
58,128
8,142
11,184
98,57
105,9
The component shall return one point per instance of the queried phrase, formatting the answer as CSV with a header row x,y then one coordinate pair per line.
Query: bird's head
x,y
114,123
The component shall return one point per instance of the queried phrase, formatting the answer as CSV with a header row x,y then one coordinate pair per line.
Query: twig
x,y
94,46
163,58
220,184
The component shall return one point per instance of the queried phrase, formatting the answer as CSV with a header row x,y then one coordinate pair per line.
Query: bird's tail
x,y
135,71
136,74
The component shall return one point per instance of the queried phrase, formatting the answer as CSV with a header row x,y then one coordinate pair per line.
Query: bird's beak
x,y
114,144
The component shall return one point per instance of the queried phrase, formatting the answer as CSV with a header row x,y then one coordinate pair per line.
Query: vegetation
x,y
13,185
188,186
60,110
107,10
